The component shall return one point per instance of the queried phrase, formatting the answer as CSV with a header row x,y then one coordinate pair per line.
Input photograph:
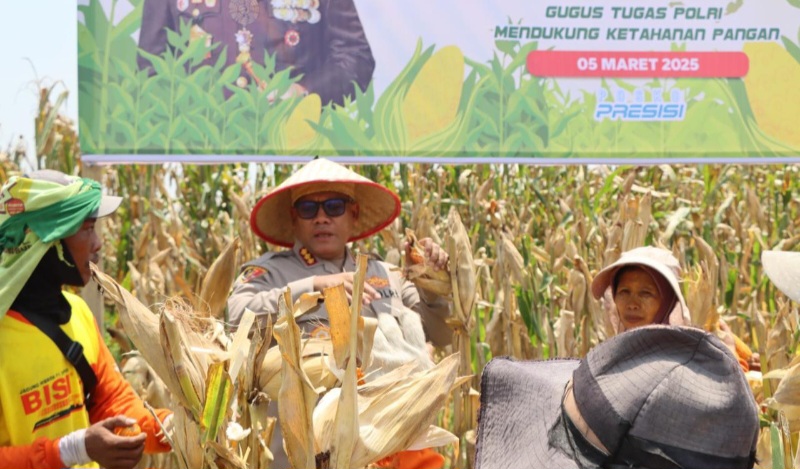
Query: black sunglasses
x,y
307,209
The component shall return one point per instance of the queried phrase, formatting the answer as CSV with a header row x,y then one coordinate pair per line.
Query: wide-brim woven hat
x,y
783,268
378,206
658,259
649,393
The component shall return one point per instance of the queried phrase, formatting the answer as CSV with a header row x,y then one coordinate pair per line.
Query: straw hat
x,y
783,268
655,396
378,206
659,259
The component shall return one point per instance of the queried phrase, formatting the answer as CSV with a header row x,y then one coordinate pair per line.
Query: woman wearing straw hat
x,y
642,288
316,212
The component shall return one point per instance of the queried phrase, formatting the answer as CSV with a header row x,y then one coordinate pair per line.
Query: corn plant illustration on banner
x,y
450,80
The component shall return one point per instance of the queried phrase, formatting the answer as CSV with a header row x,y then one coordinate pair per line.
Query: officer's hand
x,y
112,451
433,252
322,282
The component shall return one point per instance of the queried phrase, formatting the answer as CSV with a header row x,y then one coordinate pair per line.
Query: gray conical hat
x,y
378,206
667,394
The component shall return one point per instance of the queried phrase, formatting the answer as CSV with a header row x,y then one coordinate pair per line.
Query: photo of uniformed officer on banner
x,y
322,41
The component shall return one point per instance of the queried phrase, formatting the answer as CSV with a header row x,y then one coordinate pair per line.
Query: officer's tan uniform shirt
x,y
404,319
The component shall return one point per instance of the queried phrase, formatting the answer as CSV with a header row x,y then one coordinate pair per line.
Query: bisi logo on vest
x,y
46,394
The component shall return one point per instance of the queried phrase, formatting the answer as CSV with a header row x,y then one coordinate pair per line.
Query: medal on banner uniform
x,y
291,38
195,2
245,12
182,5
296,11
314,16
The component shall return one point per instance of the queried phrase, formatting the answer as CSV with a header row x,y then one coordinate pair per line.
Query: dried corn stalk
x,y
564,332
170,344
254,418
637,222
701,287
344,332
316,353
463,282
189,373
630,227
700,297
218,281
297,396
154,335
395,412
787,395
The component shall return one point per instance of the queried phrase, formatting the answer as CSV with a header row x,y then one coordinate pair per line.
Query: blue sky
x,y
37,40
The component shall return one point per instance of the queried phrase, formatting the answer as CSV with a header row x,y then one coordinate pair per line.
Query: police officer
x,y
316,212
322,40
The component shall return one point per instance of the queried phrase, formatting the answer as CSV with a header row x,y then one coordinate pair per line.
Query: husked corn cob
x,y
421,270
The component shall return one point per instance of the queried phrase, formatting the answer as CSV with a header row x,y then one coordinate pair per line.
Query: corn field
x,y
525,242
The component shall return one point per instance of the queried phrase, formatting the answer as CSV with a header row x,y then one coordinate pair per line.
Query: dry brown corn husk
x,y
163,342
314,354
218,282
395,412
344,332
296,396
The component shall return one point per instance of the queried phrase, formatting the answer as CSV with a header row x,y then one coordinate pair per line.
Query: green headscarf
x,y
34,214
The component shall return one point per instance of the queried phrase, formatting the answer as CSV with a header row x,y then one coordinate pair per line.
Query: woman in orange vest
x,y
63,401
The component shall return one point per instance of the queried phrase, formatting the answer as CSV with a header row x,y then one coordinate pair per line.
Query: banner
x,y
443,81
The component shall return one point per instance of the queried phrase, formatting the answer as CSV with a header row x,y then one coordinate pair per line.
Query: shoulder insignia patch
x,y
250,272
321,332
307,257
378,282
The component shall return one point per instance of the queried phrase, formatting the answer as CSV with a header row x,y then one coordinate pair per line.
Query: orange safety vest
x,y
42,394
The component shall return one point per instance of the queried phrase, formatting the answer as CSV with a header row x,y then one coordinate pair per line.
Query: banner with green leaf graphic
x,y
493,80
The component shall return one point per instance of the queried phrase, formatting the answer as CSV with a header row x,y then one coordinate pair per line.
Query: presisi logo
x,y
644,104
